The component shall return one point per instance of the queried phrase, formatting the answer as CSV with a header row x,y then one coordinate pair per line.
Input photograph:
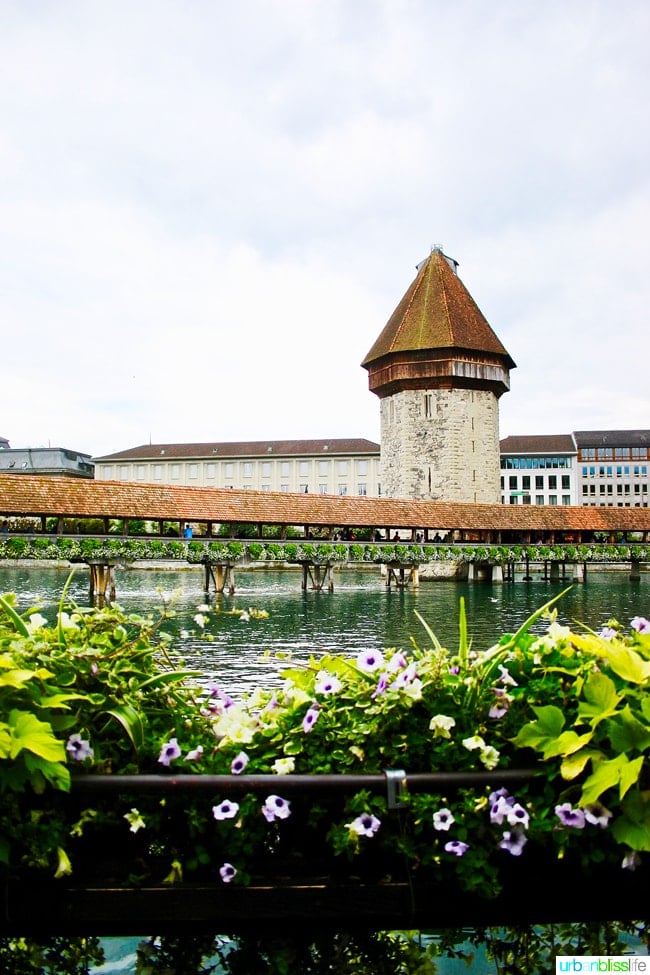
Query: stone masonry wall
x,y
441,445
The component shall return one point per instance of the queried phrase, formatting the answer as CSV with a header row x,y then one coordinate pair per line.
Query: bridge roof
x,y
32,495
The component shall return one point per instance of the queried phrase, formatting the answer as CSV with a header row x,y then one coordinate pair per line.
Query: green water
x,y
359,614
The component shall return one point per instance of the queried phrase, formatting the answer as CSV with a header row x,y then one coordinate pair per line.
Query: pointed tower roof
x,y
437,337
437,312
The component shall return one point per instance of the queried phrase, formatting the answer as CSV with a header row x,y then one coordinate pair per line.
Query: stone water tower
x,y
439,370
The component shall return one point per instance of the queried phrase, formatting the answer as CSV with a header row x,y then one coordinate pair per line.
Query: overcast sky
x,y
209,209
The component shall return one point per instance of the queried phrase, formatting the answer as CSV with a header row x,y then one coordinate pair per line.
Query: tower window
x,y
428,405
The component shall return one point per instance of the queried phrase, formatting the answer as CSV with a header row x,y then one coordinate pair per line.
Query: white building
x,y
613,467
343,467
539,470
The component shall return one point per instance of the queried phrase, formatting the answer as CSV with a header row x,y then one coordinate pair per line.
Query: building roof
x,y
437,312
32,495
253,448
553,443
612,438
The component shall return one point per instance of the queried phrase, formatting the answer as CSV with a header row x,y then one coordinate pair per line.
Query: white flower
x,y
489,757
284,766
441,725
473,743
200,619
135,820
35,622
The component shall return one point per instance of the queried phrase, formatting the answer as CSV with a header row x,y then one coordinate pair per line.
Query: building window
x,y
157,472
108,473
539,482
284,488
552,482
210,471
304,468
304,488
140,472
362,490
266,468
539,499
552,499
512,482
323,468
343,489
525,482
284,468
526,498
343,467
362,467
176,471
248,469
266,487
428,405
124,472
566,482
322,488
566,499
193,471
229,471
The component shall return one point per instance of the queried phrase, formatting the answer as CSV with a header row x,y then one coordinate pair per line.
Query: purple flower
x,y
195,754
364,825
327,683
569,816
225,810
502,703
518,816
382,684
443,819
275,808
78,748
640,624
169,752
597,815
500,805
505,677
457,847
513,841
370,660
227,872
310,719
407,676
239,763
607,633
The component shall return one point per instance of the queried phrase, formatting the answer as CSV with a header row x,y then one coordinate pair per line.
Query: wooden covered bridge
x,y
402,531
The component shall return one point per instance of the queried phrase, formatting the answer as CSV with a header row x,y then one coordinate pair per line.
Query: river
x,y
360,613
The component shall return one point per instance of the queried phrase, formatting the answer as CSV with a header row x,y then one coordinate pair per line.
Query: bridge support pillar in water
x,y
402,576
319,575
222,577
102,582
635,571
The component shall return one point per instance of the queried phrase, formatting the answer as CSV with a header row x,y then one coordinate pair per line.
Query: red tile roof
x,y
254,448
27,495
437,312
559,443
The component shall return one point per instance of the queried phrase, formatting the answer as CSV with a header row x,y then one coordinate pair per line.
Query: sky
x,y
209,210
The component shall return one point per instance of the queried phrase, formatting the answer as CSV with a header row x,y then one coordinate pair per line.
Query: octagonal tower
x,y
439,370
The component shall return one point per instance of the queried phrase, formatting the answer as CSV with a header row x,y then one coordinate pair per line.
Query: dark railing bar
x,y
377,783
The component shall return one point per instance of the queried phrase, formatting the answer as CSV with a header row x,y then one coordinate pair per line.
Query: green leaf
x,y
573,765
626,662
566,744
131,721
536,734
601,699
626,733
27,732
618,771
18,622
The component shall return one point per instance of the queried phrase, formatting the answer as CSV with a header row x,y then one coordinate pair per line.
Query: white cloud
x,y
208,213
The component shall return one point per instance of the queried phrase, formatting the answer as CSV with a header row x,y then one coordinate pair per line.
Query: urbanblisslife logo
x,y
601,963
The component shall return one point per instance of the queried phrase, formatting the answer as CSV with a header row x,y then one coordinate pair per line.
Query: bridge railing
x,y
208,550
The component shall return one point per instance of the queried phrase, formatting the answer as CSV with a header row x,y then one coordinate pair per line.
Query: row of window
x,y
539,499
247,470
636,471
550,479
608,489
613,453
535,463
